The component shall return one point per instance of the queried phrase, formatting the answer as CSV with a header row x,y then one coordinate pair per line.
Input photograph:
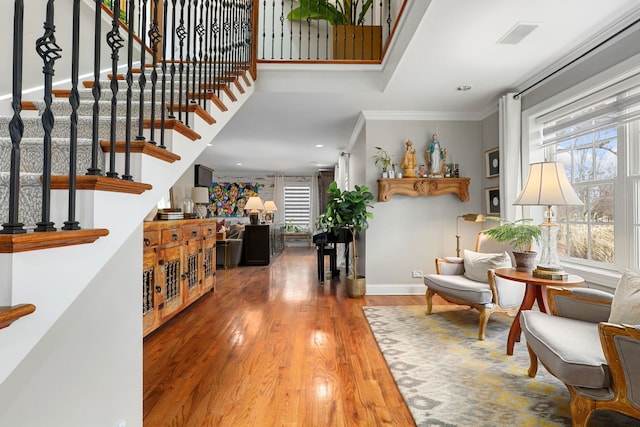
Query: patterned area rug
x,y
449,378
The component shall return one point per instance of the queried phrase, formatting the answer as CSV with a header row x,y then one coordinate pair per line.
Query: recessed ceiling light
x,y
238,164
463,88
319,145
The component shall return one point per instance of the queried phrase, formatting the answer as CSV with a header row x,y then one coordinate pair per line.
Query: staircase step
x,y
32,154
61,128
61,107
30,200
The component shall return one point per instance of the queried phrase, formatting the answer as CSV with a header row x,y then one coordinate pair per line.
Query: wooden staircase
x,y
108,209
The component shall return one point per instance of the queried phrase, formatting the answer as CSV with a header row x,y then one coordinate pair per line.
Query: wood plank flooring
x,y
272,347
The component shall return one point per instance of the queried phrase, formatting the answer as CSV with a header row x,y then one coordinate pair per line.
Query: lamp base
x,y
253,218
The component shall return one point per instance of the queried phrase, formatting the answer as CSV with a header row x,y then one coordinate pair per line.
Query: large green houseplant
x,y
521,235
339,12
348,209
352,39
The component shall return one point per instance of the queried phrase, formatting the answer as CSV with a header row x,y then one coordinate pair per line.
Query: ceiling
x,y
441,45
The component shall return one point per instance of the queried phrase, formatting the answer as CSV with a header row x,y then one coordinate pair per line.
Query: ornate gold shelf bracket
x,y
423,187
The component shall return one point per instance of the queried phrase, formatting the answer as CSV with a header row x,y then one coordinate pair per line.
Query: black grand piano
x,y
326,245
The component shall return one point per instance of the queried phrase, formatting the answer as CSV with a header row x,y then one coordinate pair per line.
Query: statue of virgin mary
x,y
435,157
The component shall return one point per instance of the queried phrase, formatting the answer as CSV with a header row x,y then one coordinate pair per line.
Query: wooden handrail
x,y
9,314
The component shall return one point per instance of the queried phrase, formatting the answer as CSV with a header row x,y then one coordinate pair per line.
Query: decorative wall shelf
x,y
424,187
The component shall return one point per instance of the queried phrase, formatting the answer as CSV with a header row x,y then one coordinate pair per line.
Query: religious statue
x,y
409,161
436,157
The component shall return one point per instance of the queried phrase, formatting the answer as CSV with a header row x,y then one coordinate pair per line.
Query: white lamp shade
x,y
547,185
254,204
200,195
270,206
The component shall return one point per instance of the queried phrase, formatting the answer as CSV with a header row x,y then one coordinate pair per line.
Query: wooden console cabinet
x,y
256,246
179,267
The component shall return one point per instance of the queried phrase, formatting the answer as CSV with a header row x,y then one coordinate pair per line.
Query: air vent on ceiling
x,y
516,34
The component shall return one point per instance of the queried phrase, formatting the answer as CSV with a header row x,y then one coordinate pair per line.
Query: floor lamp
x,y
468,218
547,185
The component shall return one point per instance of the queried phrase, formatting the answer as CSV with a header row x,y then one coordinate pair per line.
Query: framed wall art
x,y
492,163
492,201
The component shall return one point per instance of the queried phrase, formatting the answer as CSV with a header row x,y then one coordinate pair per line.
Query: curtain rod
x,y
588,52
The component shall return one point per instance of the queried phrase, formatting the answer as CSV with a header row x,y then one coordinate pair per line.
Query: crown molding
x,y
422,115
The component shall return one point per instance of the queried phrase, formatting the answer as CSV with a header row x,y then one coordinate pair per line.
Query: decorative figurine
x,y
422,172
436,157
409,161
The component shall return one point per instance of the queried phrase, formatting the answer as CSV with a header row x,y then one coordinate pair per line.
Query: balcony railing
x,y
326,30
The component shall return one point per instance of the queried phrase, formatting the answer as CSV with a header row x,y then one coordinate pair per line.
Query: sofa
x,y
229,252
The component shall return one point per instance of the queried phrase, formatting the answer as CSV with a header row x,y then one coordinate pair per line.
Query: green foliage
x,y
382,158
347,209
344,12
520,233
289,226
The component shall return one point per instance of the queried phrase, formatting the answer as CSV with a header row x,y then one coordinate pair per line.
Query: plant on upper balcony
x,y
340,12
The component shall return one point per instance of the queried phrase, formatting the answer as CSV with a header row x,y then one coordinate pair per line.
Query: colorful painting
x,y
229,198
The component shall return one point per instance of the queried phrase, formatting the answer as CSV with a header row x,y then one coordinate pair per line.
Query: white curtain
x,y
510,154
278,198
314,201
341,174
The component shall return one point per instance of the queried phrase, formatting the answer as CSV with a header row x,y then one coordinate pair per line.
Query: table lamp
x,y
254,206
270,207
200,197
468,218
547,185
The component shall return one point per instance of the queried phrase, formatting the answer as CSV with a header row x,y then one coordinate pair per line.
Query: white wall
x,y
408,233
87,371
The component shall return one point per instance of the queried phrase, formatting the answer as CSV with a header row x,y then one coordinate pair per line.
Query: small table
x,y
304,235
534,291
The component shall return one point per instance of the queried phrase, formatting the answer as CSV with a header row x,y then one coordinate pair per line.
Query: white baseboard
x,y
396,289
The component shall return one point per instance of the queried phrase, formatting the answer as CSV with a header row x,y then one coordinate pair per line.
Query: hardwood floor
x,y
272,347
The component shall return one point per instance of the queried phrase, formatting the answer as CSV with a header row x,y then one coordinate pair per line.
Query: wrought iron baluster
x,y
129,78
182,34
207,49
188,61
291,34
282,29
49,51
96,91
163,97
16,126
74,100
154,38
201,32
173,58
215,29
264,28
227,43
115,42
142,79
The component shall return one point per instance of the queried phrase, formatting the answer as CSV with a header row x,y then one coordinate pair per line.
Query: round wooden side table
x,y
534,291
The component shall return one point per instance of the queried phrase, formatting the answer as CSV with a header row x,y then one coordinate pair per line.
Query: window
x,y
297,205
597,139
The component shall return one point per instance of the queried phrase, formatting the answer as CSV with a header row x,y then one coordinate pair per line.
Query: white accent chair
x,y
494,295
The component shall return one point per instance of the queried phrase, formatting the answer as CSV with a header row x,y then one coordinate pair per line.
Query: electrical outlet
x,y
416,274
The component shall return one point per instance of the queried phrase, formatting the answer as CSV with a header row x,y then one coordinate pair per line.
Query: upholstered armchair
x,y
471,281
590,341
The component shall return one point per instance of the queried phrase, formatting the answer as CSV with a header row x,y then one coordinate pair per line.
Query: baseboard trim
x,y
396,289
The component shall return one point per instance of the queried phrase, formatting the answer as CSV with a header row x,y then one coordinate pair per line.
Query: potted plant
x,y
347,18
383,159
348,209
521,234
